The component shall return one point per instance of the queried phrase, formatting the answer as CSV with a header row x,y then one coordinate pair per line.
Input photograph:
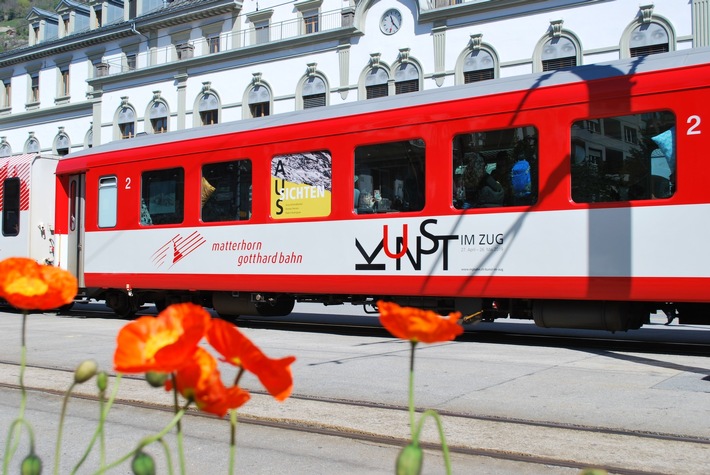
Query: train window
x,y
226,191
389,177
108,201
162,196
301,185
11,207
623,158
495,168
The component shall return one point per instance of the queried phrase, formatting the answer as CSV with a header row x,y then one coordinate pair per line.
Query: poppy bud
x,y
143,464
31,465
102,380
155,379
409,460
85,371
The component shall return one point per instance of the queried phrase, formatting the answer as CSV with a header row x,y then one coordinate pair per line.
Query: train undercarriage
x,y
593,315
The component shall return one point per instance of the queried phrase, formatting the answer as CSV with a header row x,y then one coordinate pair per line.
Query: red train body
x,y
578,198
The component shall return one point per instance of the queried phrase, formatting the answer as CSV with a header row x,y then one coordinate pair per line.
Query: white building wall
x,y
513,35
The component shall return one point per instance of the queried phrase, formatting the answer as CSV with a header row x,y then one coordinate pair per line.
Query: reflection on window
x,y
108,201
495,168
225,191
11,207
389,177
162,196
301,185
610,166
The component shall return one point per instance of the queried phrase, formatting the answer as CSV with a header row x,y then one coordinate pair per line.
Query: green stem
x,y
168,459
442,438
61,426
10,450
31,436
100,428
411,391
232,440
181,451
145,442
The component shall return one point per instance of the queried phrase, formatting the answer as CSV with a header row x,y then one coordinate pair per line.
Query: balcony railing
x,y
231,41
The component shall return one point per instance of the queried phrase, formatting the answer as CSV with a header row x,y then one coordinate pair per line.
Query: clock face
x,y
391,21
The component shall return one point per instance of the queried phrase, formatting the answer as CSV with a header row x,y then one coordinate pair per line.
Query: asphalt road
x,y
643,392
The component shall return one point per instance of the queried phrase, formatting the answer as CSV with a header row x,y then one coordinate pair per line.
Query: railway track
x,y
650,340
533,442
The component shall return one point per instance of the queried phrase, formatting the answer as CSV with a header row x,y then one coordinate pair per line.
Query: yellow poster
x,y
301,185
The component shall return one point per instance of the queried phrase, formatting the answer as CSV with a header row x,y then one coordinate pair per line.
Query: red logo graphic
x,y
180,248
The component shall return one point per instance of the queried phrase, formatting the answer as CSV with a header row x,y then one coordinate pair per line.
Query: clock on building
x,y
391,21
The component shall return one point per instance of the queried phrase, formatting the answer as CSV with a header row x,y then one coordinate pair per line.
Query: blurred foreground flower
x,y
168,345
417,325
166,348
27,285
30,286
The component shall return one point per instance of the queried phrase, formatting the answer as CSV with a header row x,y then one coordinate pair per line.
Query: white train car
x,y
27,204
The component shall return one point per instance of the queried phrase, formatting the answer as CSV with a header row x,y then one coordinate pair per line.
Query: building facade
x,y
107,70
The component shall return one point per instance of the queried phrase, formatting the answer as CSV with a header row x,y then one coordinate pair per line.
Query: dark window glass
x,y
378,90
639,164
162,193
495,168
260,109
646,50
11,207
559,63
478,75
389,177
315,100
404,87
225,191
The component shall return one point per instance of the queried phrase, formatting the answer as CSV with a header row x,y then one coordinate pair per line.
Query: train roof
x,y
642,64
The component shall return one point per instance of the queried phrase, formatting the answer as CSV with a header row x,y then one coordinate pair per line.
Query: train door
x,y
75,235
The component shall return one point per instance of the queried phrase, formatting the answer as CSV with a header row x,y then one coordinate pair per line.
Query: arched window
x,y
32,145
647,34
478,65
5,149
208,107
158,114
126,122
314,92
376,83
259,101
406,78
62,144
558,53
648,38
89,138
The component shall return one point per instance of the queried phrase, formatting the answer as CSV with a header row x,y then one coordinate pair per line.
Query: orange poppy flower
x,y
237,349
199,380
30,286
163,343
418,325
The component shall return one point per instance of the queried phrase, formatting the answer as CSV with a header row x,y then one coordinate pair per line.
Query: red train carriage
x,y
578,198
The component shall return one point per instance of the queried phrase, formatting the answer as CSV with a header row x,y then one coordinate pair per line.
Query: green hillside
x,y
14,14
